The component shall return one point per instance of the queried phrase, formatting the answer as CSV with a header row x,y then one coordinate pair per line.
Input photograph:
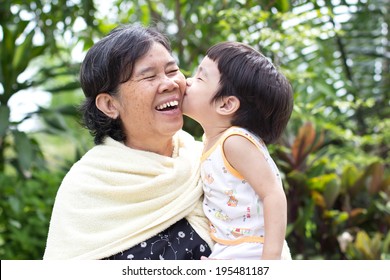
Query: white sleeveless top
x,y
232,206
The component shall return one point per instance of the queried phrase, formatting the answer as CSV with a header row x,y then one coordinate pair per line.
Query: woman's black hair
x,y
108,64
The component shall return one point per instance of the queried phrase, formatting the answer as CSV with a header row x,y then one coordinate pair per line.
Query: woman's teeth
x,y
166,105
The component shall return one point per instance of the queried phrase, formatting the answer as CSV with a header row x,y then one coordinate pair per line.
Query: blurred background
x,y
334,155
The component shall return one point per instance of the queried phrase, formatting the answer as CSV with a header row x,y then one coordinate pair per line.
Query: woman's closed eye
x,y
173,71
150,77
145,77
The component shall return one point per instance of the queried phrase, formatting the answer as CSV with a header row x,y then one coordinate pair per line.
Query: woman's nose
x,y
169,84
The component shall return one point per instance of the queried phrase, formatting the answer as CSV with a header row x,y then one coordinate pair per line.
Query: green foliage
x,y
23,23
25,210
367,248
325,203
33,55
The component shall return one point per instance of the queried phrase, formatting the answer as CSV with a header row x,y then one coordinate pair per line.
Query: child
x,y
242,103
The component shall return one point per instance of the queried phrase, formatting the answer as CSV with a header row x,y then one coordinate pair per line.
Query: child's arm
x,y
250,162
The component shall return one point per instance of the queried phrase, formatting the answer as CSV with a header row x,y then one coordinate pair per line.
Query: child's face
x,y
200,90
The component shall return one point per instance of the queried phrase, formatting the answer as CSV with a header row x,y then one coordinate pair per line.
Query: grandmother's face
x,y
150,102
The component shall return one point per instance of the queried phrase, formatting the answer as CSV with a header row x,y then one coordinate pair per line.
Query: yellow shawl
x,y
115,197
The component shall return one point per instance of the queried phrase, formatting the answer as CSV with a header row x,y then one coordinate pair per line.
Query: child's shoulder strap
x,y
235,130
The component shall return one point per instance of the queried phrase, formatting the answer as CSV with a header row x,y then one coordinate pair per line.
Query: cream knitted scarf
x,y
115,197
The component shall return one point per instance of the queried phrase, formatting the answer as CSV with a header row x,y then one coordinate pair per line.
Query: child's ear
x,y
106,103
228,105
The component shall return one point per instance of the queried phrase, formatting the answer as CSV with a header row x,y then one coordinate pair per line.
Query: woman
x,y
137,193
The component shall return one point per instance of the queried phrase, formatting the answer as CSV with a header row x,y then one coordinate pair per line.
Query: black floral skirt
x,y
178,242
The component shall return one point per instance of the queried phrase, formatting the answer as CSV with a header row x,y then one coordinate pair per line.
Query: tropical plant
x,y
365,247
326,202
33,55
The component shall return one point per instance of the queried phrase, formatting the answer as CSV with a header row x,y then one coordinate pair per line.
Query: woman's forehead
x,y
157,57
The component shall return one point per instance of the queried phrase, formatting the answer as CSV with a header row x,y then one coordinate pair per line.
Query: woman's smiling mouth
x,y
170,105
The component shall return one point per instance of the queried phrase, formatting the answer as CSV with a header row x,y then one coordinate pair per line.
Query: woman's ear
x,y
106,103
228,105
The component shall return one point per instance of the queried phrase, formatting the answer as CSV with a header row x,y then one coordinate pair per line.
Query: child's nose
x,y
189,81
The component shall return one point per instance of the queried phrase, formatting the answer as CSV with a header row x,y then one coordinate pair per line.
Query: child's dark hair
x,y
265,94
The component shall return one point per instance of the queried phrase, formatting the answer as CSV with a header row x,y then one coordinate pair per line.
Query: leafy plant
x,y
32,56
365,247
325,202
25,210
